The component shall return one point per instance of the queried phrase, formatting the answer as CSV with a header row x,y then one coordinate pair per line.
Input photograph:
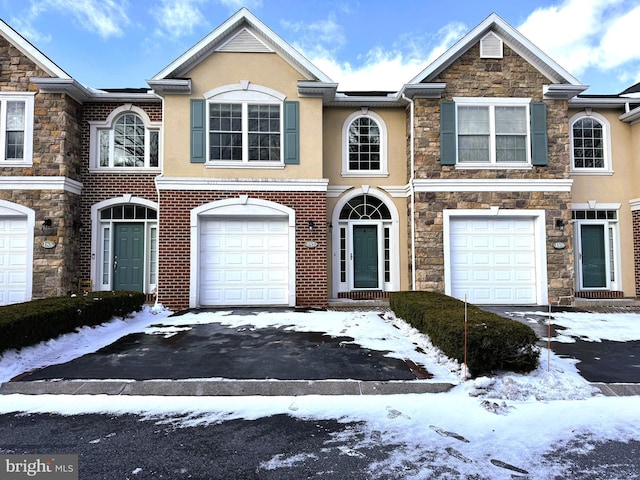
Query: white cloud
x,y
619,42
178,17
320,38
234,5
583,34
105,17
379,68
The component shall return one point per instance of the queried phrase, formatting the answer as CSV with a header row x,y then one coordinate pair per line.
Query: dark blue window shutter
x,y
448,133
291,133
198,143
539,143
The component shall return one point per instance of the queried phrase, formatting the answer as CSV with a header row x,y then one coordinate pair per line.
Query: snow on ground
x,y
519,419
590,327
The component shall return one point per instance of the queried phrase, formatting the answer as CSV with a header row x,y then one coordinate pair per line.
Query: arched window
x,y
589,143
364,145
127,139
365,207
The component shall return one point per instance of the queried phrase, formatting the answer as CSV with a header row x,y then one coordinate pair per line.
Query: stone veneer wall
x,y
56,152
174,242
511,76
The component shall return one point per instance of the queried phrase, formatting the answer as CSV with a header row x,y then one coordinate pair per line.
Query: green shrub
x,y
493,342
24,324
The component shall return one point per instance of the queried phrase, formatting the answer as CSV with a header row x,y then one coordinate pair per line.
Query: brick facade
x,y
174,242
635,215
104,185
472,76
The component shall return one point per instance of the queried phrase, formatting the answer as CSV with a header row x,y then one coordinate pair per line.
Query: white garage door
x,y
244,261
493,261
13,260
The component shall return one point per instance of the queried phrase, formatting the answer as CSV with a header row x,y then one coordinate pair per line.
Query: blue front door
x,y
128,257
594,261
365,256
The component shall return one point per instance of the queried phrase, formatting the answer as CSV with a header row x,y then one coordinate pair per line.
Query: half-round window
x,y
365,207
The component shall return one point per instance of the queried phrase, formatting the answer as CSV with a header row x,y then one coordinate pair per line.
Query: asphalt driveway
x,y
603,361
216,351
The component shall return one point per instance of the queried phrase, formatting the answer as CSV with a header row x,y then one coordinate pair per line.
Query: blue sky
x,y
361,44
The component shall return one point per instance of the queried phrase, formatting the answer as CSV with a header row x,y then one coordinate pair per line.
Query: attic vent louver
x,y
244,41
491,46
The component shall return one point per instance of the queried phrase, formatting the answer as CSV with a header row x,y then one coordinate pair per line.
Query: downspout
x,y
412,193
155,181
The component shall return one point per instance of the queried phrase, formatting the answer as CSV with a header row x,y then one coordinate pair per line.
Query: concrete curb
x,y
222,387
614,389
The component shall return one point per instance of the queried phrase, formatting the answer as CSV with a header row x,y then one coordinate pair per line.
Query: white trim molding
x,y
257,184
41,183
634,203
492,185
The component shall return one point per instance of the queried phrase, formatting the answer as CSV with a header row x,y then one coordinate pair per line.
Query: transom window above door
x,y
365,207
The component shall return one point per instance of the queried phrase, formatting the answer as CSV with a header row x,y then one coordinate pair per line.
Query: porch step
x,y
350,304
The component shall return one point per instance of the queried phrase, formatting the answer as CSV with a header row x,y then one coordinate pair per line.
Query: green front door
x,y
593,264
365,256
128,256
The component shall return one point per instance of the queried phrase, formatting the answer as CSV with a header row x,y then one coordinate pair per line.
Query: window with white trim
x,y
127,140
245,132
364,146
16,129
589,143
245,126
493,133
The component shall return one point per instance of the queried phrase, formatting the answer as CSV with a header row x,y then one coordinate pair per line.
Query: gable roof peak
x,y
511,37
30,51
242,19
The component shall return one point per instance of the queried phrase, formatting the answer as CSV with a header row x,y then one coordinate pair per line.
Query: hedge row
x,y
493,342
24,324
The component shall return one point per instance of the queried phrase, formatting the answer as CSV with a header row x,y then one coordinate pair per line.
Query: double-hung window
x,y
245,125
245,132
16,129
126,141
493,133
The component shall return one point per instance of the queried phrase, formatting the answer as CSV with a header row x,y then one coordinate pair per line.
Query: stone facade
x,y
56,153
472,76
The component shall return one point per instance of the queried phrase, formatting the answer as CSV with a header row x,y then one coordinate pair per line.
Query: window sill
x,y
21,163
134,170
365,173
244,165
493,166
599,172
